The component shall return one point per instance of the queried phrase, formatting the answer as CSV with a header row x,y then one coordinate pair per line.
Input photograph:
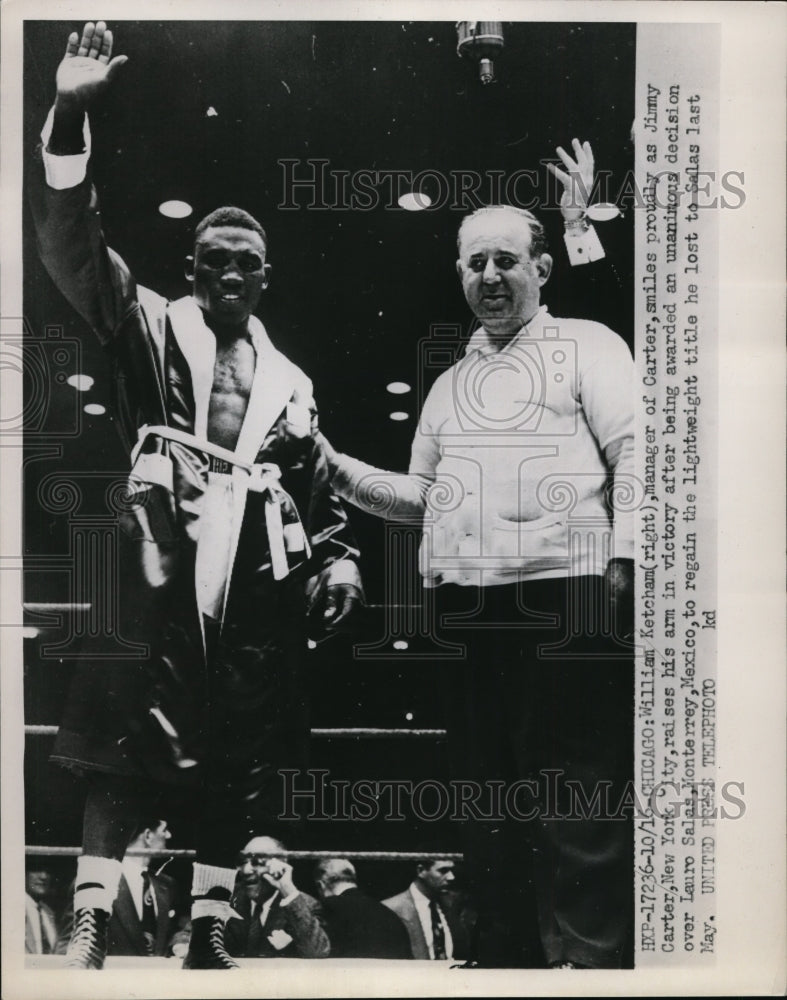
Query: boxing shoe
x,y
206,947
87,948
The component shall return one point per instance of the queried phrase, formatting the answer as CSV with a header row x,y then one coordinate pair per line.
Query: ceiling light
x,y
399,415
414,201
482,41
398,388
401,644
95,409
408,716
80,382
175,209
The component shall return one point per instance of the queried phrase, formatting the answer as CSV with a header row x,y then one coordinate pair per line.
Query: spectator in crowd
x,y
147,913
358,926
40,922
431,912
275,919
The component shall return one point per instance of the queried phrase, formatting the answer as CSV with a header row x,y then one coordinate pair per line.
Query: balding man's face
x,y
253,862
501,281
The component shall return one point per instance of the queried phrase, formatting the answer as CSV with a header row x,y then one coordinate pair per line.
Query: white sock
x,y
96,882
212,908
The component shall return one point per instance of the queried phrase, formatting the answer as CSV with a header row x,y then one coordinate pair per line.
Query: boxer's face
x,y
228,273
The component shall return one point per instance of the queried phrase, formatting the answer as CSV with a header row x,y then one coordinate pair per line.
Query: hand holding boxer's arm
x,y
391,495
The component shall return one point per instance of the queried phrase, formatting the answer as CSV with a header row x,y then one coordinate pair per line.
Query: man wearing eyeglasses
x,y
277,920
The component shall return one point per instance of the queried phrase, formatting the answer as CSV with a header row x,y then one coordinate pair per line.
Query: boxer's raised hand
x,y
87,67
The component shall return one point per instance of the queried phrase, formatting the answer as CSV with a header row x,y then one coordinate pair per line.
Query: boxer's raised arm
x,y
93,278
85,71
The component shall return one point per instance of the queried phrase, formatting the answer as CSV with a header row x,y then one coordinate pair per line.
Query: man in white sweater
x,y
523,452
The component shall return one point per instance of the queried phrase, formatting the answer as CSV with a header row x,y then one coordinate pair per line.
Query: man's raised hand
x,y
577,179
87,67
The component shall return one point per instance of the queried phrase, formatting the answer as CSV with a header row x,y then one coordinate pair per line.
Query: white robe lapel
x,y
275,380
273,385
199,349
275,377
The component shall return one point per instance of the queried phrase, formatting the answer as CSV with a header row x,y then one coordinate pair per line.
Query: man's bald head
x,y
269,846
334,875
507,214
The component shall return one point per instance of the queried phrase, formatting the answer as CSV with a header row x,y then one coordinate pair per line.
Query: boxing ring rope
x,y
45,851
329,734
40,607
72,852
375,733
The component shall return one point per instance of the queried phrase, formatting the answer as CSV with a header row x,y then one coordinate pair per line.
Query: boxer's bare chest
x,y
233,374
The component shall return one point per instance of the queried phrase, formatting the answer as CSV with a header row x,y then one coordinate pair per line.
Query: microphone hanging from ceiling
x,y
483,42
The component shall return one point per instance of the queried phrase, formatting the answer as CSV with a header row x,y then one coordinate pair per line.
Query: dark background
x,y
354,299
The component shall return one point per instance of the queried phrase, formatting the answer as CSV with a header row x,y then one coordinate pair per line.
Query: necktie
x,y
46,945
438,934
148,914
255,930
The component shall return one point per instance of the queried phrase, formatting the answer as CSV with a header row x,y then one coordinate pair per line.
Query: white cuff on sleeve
x,y
583,247
343,571
64,171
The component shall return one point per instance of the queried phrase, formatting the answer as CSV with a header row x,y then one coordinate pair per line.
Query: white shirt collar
x,y
38,916
418,896
133,865
482,342
423,909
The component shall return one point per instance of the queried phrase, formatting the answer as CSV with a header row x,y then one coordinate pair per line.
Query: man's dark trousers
x,y
544,695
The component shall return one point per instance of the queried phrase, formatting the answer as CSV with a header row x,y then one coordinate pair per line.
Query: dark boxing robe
x,y
232,696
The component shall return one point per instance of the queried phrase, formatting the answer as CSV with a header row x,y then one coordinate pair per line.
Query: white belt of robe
x,y
221,517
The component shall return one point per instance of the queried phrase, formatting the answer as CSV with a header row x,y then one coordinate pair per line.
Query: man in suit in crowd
x,y
40,922
145,914
431,912
277,920
358,926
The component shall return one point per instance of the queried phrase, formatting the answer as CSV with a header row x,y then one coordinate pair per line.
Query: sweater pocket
x,y
533,546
